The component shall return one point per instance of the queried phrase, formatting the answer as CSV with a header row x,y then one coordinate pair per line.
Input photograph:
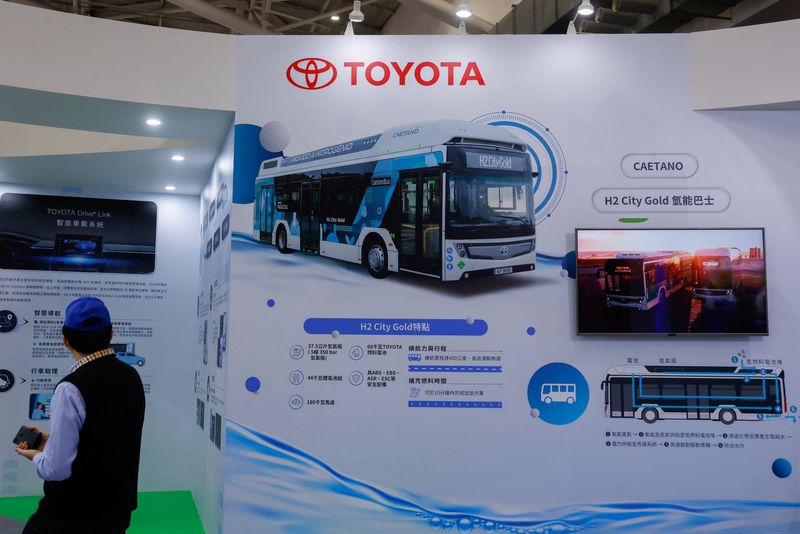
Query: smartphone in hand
x,y
32,437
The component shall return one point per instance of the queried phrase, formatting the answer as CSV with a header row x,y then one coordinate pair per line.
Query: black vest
x,y
106,470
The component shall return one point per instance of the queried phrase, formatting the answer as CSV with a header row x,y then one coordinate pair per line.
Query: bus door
x,y
309,216
420,208
266,214
697,405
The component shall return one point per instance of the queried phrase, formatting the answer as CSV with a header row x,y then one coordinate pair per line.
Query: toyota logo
x,y
504,251
311,73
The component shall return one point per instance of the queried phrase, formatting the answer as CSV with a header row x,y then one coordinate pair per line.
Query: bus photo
x,y
725,394
641,280
447,199
717,273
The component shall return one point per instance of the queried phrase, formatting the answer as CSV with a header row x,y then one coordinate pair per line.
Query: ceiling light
x,y
169,187
356,15
178,157
335,18
153,122
586,8
463,10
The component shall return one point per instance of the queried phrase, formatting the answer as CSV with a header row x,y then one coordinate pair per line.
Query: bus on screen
x,y
717,273
642,280
725,394
447,199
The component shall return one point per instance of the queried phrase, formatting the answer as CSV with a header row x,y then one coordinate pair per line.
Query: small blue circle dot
x,y
781,468
531,330
271,303
252,384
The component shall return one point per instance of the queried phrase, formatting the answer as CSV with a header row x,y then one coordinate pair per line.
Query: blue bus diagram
x,y
447,199
725,394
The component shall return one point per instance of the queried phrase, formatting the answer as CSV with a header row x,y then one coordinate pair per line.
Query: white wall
x,y
53,51
750,66
209,375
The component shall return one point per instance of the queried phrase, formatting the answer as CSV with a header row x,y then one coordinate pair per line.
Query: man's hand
x,y
24,450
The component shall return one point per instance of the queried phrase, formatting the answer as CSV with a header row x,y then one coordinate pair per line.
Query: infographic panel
x,y
409,295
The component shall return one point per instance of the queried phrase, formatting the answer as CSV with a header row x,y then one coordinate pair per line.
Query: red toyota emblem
x,y
311,73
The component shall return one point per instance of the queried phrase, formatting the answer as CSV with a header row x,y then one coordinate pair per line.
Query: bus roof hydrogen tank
x,y
447,199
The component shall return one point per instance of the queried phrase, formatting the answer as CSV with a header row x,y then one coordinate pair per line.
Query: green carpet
x,y
170,512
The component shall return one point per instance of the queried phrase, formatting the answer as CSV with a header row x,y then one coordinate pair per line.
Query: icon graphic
x,y
296,402
356,353
296,352
311,73
6,380
8,321
414,393
504,251
296,377
558,393
356,378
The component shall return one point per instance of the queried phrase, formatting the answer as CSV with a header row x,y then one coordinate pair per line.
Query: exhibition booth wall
x,y
634,375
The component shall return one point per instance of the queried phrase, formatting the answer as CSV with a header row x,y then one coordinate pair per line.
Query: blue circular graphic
x,y
781,468
559,392
252,384
270,303
531,330
546,156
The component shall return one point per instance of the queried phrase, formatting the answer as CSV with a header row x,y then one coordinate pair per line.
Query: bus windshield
x,y
712,272
624,278
480,206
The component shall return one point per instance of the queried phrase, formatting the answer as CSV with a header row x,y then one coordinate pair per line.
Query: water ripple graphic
x,y
271,486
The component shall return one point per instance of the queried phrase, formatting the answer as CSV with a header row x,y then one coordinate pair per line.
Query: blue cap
x,y
87,314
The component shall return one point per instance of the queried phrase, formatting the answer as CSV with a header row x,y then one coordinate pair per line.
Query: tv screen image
x,y
671,281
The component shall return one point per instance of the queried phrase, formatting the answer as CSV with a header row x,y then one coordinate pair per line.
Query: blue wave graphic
x,y
276,487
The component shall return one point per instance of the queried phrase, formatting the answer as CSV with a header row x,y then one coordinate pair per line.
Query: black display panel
x,y
52,233
671,281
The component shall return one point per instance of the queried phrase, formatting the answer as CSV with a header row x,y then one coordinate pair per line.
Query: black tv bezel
x,y
672,334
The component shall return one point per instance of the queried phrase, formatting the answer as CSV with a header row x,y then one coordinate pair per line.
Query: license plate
x,y
504,270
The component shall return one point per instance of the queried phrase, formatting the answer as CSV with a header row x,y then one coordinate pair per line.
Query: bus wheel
x,y
375,258
548,400
727,416
570,400
282,241
650,415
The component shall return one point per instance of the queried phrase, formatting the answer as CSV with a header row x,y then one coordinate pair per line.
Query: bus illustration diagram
x,y
447,199
558,393
725,394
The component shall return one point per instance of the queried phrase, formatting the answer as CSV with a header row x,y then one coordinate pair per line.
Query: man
x,y
90,458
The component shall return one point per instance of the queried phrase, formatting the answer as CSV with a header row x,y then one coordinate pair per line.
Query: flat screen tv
x,y
671,281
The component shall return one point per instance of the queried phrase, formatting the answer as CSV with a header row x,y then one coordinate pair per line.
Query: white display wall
x,y
153,314
309,449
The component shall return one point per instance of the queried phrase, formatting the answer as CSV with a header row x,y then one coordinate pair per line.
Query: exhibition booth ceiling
x,y
420,17
53,139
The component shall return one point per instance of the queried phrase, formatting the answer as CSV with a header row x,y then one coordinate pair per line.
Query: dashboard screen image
x,y
54,233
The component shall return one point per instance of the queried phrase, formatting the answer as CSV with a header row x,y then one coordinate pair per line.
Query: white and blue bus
x,y
717,273
448,199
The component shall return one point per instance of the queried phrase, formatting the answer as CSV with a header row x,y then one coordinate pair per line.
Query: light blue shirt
x,y
67,414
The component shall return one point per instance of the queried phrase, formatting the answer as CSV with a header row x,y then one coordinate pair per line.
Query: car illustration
x,y
131,359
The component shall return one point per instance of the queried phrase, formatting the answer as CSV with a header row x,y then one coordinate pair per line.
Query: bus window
x,y
431,218
571,388
546,389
